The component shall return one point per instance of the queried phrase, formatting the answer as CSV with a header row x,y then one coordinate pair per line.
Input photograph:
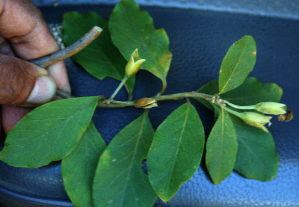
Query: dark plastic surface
x,y
198,40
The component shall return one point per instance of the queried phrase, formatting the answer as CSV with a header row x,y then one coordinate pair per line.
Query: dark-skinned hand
x,y
24,35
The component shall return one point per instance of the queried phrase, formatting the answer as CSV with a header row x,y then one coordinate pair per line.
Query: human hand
x,y
25,35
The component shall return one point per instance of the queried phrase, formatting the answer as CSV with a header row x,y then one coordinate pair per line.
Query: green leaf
x,y
257,157
221,148
101,58
251,92
133,28
48,133
237,64
79,167
176,151
119,179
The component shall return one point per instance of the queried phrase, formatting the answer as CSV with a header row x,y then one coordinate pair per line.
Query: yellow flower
x,y
256,119
133,64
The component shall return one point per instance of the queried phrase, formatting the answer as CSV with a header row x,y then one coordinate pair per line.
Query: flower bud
x,y
133,64
135,55
271,108
256,119
145,103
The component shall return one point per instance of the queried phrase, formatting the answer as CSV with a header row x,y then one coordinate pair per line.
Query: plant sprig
x,y
112,175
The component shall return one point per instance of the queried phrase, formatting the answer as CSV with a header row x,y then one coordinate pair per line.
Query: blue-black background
x,y
198,40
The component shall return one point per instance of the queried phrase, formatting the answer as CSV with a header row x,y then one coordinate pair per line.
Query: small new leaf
x,y
221,148
49,132
176,151
237,64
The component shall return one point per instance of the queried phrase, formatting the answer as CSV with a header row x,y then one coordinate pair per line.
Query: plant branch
x,y
70,50
122,104
64,94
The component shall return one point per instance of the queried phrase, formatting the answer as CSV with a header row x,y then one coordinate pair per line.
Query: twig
x,y
70,50
176,96
64,94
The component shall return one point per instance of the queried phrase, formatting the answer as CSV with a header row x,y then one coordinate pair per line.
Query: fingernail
x,y
43,91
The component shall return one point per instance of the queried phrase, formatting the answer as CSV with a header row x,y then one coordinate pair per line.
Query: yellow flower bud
x,y
256,119
271,108
133,64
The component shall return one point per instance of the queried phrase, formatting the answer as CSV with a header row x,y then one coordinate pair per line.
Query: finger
x,y
0,120
5,48
59,74
21,81
23,25
11,114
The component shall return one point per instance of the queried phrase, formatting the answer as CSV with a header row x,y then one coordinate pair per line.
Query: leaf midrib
x,y
42,136
139,138
234,68
179,143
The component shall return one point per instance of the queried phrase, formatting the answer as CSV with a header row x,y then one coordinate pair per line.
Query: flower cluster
x,y
257,119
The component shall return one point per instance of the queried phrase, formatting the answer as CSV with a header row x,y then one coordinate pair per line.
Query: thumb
x,y
23,82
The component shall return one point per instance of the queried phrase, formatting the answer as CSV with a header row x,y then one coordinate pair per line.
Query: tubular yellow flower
x,y
133,64
271,108
256,119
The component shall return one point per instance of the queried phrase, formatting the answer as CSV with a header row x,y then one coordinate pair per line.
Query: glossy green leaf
x,y
257,157
221,148
176,151
251,92
237,64
133,28
119,179
48,133
101,58
79,167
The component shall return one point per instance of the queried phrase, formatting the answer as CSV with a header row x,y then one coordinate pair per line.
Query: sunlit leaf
x,y
119,179
237,64
101,58
79,167
176,151
251,92
133,28
257,157
48,133
221,148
